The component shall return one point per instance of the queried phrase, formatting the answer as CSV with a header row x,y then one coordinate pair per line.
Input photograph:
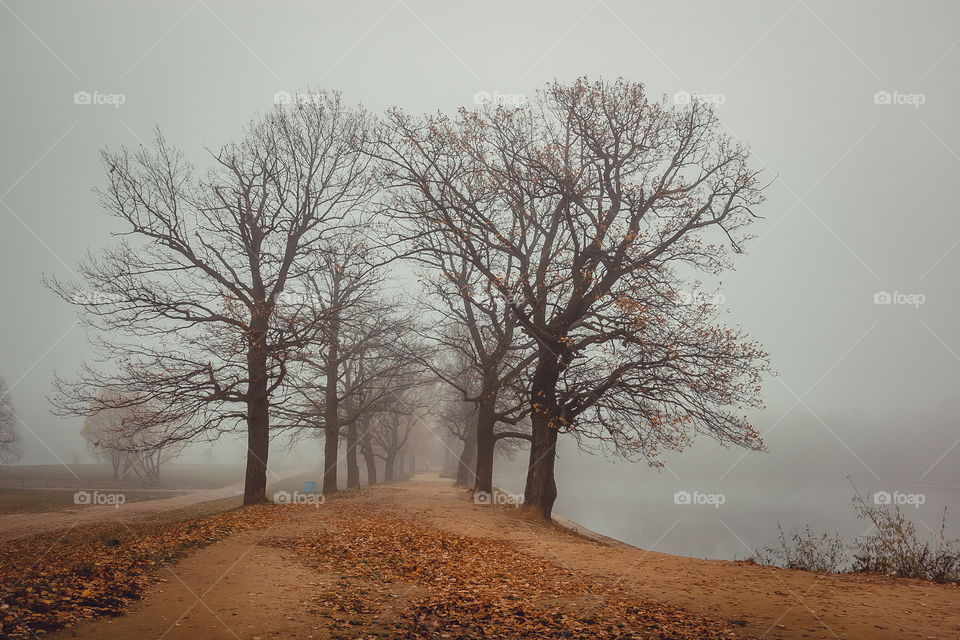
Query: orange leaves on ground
x,y
54,579
468,587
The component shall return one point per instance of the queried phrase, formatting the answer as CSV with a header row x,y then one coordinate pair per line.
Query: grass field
x,y
44,500
51,488
100,476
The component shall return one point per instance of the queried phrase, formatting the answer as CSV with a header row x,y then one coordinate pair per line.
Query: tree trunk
x,y
388,469
541,488
486,444
448,458
465,473
331,410
353,469
366,448
258,414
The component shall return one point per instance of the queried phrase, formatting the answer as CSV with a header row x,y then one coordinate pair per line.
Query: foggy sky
x,y
862,196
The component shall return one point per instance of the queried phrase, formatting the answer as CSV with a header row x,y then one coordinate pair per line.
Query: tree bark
x,y
449,460
541,488
370,460
388,468
485,443
331,410
465,473
353,468
258,414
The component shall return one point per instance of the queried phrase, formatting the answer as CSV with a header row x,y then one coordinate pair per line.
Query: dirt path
x,y
21,524
223,591
238,588
774,603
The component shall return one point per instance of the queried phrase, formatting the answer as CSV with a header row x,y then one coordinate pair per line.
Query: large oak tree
x,y
184,307
590,211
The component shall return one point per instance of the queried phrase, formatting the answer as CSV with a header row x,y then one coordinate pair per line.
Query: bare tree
x,y
394,429
101,432
342,292
606,202
116,435
380,369
151,457
186,304
361,358
490,354
10,445
459,420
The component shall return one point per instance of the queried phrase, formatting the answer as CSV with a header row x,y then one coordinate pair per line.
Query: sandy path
x,y
238,589
20,524
232,589
773,603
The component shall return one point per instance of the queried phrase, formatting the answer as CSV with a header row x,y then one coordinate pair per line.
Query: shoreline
x,y
579,530
574,527
750,600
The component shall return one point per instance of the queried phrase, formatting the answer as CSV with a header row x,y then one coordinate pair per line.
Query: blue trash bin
x,y
309,487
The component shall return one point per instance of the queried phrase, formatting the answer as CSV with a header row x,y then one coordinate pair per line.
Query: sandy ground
x,y
232,589
239,589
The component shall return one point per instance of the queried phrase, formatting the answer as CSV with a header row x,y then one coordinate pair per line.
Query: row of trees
x,y
557,244
111,437
10,444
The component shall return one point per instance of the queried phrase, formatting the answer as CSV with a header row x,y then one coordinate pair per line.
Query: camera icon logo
x,y
682,497
882,97
482,97
82,497
282,497
82,97
482,497
882,297
682,97
282,97
882,497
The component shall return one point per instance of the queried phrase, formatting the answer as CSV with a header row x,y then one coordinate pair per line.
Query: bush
x,y
893,548
806,551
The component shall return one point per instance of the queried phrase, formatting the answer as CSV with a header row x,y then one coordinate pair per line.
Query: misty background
x,y
850,106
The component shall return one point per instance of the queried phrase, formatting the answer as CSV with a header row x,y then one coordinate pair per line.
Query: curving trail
x,y
312,576
17,525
